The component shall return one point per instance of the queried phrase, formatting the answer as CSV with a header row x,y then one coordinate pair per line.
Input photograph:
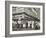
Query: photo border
x,y
7,18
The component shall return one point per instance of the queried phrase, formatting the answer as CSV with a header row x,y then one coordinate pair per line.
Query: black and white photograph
x,y
24,18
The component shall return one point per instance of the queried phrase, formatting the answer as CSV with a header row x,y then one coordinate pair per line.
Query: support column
x,y
29,22
32,24
24,25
